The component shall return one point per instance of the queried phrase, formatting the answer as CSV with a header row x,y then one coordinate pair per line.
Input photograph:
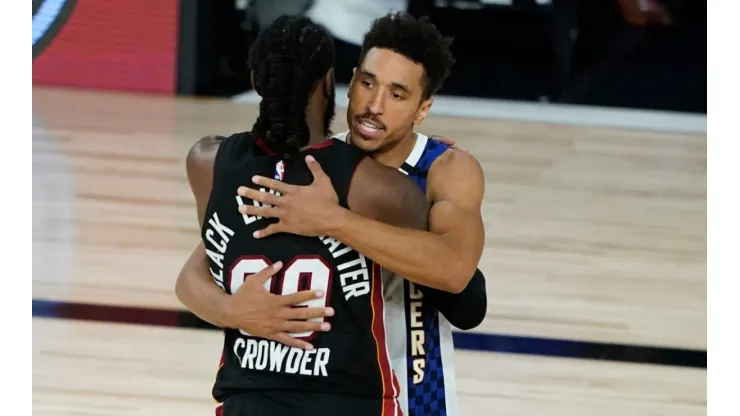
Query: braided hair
x,y
287,59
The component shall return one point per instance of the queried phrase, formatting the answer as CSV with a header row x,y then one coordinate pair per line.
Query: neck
x,y
316,128
397,153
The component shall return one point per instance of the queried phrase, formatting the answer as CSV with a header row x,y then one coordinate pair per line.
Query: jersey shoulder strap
x,y
339,161
231,150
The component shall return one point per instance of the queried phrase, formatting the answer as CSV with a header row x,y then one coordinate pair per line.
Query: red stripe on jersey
x,y
220,410
388,377
220,364
391,408
323,144
265,148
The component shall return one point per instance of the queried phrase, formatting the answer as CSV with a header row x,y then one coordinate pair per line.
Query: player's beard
x,y
330,110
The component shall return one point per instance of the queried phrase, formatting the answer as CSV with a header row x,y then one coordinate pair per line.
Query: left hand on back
x,y
448,142
303,210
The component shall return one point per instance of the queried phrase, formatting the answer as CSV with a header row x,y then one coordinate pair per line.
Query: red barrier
x,y
114,44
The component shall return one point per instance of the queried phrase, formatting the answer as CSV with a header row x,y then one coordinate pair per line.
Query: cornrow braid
x,y
288,58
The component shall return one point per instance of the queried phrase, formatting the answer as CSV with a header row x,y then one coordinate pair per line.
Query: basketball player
x,y
403,63
349,371
270,316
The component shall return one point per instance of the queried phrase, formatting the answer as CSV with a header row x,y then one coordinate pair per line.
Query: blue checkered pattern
x,y
428,397
431,152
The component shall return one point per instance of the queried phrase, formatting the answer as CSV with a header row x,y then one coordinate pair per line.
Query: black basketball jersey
x,y
352,358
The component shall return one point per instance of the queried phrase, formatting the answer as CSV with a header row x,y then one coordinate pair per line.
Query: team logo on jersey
x,y
48,18
279,170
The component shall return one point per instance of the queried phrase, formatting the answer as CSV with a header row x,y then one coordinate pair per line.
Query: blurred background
x,y
587,116
647,54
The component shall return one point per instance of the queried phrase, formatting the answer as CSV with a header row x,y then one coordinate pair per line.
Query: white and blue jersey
x,y
419,338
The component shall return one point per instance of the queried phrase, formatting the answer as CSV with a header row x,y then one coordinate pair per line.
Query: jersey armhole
x,y
351,179
358,156
225,147
340,162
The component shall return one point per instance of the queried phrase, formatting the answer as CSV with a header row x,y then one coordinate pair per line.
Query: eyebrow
x,y
395,84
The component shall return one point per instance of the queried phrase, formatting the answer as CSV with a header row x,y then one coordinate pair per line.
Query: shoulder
x,y
457,172
387,195
383,182
203,152
455,162
204,149
201,157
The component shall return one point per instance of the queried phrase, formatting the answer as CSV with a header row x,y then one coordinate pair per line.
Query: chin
x,y
367,146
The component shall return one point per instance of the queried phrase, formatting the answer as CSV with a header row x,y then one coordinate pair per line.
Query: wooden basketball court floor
x,y
595,259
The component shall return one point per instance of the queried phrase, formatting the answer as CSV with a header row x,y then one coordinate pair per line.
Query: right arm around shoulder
x,y
386,195
195,288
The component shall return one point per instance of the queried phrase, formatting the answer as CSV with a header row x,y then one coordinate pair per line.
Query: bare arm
x,y
444,258
195,287
386,195
197,291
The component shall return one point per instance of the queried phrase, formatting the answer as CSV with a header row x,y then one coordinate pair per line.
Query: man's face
x,y
385,99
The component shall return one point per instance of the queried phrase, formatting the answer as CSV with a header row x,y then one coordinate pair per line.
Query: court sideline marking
x,y
467,340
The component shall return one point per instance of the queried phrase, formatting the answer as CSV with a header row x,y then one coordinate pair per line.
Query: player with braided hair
x,y
263,372
284,75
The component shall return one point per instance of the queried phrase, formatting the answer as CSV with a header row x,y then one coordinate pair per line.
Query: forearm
x,y
419,256
465,310
199,293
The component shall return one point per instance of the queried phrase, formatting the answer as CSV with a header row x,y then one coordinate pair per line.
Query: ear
x,y
254,83
328,82
351,81
423,110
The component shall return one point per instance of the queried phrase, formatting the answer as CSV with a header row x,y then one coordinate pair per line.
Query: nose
x,y
375,105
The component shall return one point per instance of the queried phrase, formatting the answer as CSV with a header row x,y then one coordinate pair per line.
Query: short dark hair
x,y
288,58
418,40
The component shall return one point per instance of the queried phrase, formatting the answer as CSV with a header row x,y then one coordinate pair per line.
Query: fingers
x,y
296,327
304,314
264,211
462,149
281,187
286,339
270,230
299,297
261,277
445,140
315,168
264,197
449,142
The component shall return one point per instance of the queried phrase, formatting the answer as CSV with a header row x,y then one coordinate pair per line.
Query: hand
x,y
304,210
448,142
645,12
255,310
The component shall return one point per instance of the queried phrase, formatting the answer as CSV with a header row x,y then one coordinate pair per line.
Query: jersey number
x,y
302,273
